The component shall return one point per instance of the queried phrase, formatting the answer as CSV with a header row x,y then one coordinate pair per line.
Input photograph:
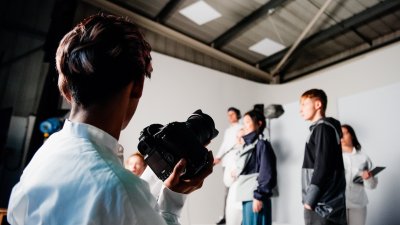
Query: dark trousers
x,y
312,218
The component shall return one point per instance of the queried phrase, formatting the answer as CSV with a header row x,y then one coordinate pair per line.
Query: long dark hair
x,y
257,117
354,139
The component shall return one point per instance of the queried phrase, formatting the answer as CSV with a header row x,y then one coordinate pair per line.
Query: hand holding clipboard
x,y
374,171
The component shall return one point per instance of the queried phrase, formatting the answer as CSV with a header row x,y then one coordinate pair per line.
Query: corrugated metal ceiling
x,y
345,29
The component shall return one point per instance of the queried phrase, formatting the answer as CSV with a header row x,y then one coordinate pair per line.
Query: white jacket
x,y
229,141
354,164
227,152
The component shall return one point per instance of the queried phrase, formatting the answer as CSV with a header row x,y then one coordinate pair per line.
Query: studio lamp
x,y
272,111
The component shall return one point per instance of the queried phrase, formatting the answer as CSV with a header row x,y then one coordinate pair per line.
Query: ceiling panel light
x,y
266,47
200,12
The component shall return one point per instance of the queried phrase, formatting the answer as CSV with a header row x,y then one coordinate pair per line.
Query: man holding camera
x,y
76,177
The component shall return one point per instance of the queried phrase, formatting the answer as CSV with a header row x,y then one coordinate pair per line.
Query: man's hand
x,y
257,205
216,161
306,206
366,174
185,186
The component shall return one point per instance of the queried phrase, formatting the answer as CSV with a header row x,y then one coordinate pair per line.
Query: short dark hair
x,y
100,56
353,135
237,112
318,94
257,117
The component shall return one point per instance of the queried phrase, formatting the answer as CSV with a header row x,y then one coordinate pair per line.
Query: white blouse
x,y
354,164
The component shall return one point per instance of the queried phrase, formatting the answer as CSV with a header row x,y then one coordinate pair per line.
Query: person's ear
x,y
62,86
318,104
137,88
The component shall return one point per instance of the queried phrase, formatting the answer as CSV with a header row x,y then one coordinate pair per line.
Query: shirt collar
x,y
353,152
313,124
234,124
249,138
94,134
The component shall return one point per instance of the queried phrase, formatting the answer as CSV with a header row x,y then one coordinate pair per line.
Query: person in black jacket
x,y
323,179
262,164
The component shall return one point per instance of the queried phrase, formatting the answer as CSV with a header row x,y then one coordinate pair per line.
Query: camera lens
x,y
202,126
164,146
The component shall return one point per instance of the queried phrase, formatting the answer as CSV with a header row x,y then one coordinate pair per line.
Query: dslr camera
x,y
163,146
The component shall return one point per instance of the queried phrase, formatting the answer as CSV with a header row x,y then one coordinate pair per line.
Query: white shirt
x,y
354,164
228,143
155,183
76,177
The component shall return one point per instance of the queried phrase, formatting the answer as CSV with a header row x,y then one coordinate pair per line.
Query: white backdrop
x,y
374,115
178,88
289,133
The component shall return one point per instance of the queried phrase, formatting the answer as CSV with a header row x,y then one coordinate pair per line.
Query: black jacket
x,y
323,178
262,161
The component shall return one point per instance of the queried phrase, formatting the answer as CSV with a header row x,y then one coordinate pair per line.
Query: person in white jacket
x,y
227,151
356,163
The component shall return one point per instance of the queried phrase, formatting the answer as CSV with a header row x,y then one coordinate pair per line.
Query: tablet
x,y
374,171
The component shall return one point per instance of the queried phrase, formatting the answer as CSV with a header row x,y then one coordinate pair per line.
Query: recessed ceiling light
x,y
200,12
266,47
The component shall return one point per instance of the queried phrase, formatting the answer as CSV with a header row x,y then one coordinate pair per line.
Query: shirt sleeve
x,y
371,182
17,206
266,161
223,146
155,184
170,205
325,159
326,145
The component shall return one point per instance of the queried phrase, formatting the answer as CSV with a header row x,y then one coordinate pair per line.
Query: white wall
x,y
358,91
178,88
378,109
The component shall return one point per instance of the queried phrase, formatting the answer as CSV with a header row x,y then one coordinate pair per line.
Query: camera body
x,y
163,146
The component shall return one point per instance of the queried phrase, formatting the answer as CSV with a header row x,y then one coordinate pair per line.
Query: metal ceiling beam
x,y
363,37
297,42
331,32
245,23
125,4
341,57
181,38
166,11
143,13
